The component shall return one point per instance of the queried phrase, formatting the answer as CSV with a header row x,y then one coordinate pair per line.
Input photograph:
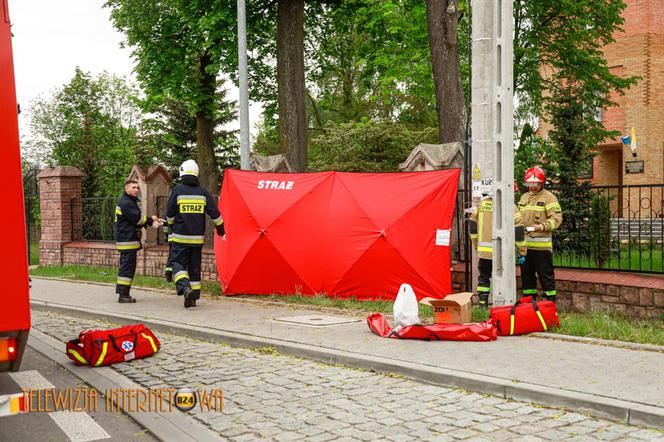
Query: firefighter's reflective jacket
x,y
187,206
540,208
481,229
128,223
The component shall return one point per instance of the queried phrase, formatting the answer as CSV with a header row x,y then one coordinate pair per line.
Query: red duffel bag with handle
x,y
105,347
525,316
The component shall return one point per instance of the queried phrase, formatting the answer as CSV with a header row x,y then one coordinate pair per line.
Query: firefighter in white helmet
x,y
187,205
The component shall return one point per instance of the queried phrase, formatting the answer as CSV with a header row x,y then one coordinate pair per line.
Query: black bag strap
x,y
115,344
537,312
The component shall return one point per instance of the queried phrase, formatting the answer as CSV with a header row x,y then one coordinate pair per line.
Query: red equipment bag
x,y
482,331
105,347
525,316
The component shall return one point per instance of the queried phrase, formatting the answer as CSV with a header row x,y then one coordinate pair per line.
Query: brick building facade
x,y
637,51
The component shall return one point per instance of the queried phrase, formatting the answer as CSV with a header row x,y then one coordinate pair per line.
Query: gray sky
x,y
52,37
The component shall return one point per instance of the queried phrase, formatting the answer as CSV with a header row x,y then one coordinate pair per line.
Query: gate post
x,y
60,211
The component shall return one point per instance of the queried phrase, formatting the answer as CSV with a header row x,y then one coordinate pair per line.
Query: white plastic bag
x,y
406,310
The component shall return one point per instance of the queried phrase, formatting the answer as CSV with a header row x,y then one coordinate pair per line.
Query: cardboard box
x,y
453,309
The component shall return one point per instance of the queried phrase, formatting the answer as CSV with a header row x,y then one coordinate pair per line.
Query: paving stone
x,y
528,439
462,433
287,436
646,434
606,435
486,428
506,423
553,434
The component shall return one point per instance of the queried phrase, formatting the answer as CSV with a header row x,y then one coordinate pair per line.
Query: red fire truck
x,y
14,302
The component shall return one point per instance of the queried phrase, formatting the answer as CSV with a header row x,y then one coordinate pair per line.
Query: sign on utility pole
x,y
492,120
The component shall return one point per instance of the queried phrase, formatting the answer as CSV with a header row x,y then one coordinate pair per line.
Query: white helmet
x,y
189,167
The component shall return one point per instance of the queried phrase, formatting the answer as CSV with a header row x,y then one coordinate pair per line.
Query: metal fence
x,y
32,214
611,228
98,218
604,228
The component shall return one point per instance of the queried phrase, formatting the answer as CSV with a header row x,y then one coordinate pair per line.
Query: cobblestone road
x,y
271,396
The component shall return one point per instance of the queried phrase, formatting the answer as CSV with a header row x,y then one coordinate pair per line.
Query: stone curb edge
x,y
626,412
172,426
555,336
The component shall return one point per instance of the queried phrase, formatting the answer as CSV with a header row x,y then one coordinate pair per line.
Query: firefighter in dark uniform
x,y
129,222
187,205
541,215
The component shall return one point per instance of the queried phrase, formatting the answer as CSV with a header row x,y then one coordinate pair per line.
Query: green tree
x,y
90,123
169,135
366,146
180,47
370,59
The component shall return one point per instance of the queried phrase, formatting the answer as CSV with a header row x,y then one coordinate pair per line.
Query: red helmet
x,y
534,175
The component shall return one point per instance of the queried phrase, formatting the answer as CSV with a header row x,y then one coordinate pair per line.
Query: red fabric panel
x,y
342,234
481,331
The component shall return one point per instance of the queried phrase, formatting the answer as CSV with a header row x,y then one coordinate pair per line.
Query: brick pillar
x,y
61,211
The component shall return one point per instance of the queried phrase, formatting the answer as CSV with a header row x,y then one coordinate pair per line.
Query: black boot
x,y
551,298
168,274
126,299
484,300
189,300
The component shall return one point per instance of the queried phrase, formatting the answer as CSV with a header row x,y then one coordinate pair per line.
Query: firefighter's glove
x,y
520,259
221,231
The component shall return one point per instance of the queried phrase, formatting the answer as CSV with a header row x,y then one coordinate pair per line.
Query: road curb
x,y
174,426
627,412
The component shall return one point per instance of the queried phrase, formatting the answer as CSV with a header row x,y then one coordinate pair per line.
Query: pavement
x,y
594,377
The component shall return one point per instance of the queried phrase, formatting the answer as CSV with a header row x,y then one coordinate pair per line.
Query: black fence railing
x,y
604,228
611,228
98,218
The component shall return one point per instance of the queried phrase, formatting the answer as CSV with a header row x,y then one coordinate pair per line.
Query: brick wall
x,y
583,290
151,259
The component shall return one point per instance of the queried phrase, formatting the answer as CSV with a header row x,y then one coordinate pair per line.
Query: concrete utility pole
x,y
492,119
244,88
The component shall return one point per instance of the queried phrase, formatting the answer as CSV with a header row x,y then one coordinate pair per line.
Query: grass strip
x,y
109,275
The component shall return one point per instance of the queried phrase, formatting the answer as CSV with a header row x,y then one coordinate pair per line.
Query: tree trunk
x,y
442,16
290,83
207,162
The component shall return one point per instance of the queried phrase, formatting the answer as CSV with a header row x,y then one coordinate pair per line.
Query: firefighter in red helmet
x,y
541,215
